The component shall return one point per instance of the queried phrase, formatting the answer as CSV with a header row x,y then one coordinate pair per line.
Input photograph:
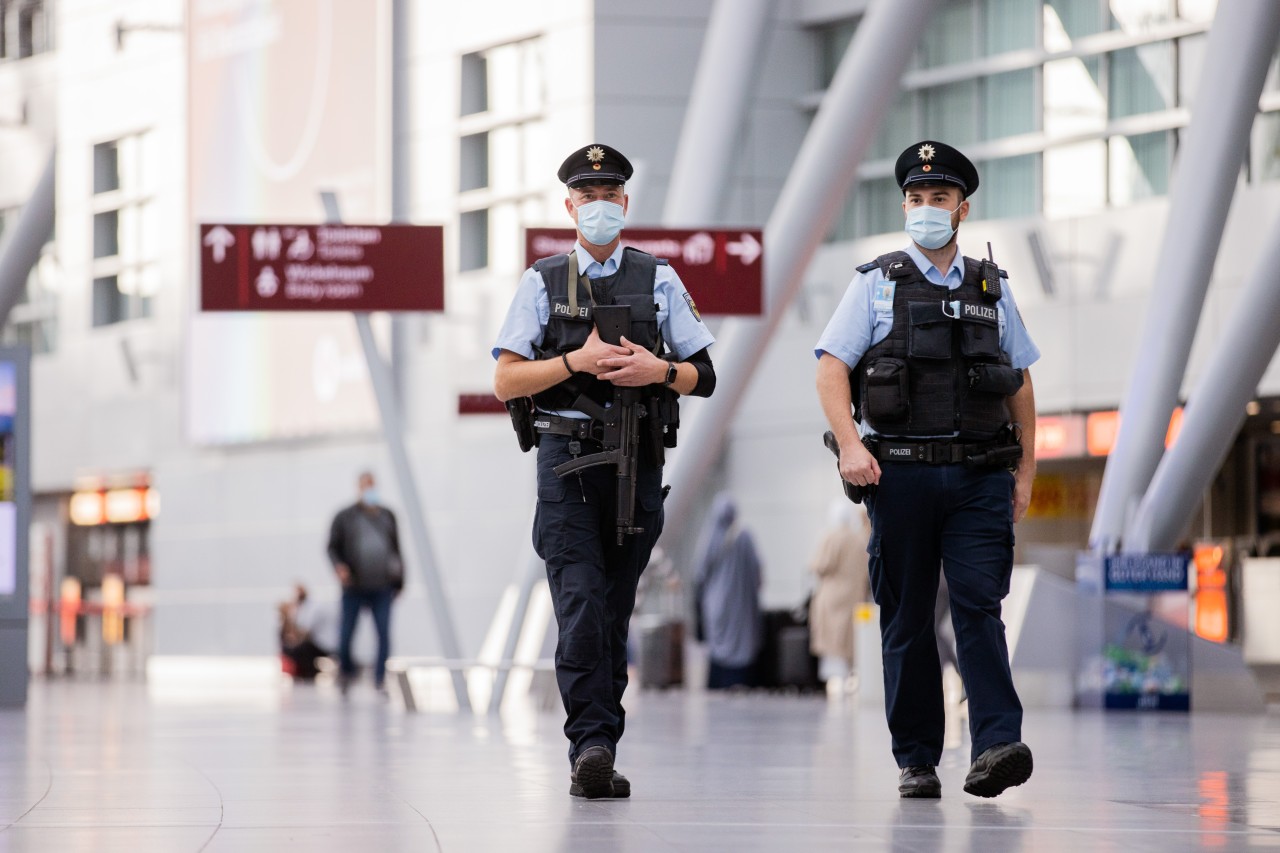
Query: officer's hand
x,y
858,466
1022,481
590,358
638,367
344,574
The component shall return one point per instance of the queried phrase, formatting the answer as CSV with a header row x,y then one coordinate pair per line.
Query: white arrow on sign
x,y
748,249
220,239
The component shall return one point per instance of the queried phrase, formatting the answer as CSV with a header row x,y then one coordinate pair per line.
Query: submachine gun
x,y
621,425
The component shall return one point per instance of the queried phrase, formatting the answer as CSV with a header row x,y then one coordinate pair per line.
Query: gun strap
x,y
581,280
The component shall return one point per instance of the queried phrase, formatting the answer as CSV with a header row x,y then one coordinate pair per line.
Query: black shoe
x,y
919,782
593,773
621,787
1002,766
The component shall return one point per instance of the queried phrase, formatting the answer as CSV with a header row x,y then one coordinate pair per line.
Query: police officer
x,y
549,349
930,346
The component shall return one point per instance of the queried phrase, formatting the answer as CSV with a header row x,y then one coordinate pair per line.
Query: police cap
x,y
594,164
935,163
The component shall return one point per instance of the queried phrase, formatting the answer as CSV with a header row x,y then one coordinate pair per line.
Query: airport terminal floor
x,y
110,766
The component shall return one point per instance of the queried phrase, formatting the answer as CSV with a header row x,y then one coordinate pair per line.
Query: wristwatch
x,y
671,374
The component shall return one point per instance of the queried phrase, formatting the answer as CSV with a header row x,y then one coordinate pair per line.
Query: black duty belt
x,y
579,428
986,453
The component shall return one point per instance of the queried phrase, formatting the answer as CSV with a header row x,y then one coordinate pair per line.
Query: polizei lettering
x,y
560,309
899,451
977,311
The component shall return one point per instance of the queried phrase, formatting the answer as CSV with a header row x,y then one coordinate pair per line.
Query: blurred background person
x,y
306,634
840,567
727,582
364,547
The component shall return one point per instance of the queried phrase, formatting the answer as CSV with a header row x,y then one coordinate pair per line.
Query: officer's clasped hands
x,y
593,356
631,365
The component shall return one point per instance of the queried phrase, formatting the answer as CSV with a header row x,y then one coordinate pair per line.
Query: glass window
x,y
950,37
879,207
1009,104
1139,166
1010,25
900,128
473,162
1190,64
475,84
1197,11
1072,19
1140,16
1265,155
1075,179
833,40
1141,79
109,304
950,112
106,234
1009,187
106,167
473,240
1073,98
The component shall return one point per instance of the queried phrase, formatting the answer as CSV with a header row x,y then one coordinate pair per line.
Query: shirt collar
x,y
611,263
931,272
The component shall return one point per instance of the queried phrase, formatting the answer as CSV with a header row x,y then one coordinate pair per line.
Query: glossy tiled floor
x,y
110,767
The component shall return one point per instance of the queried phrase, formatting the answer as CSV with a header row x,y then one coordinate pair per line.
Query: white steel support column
x,y
722,88
21,247
1215,410
825,169
737,33
1240,48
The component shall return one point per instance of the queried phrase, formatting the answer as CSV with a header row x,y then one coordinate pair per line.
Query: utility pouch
x,y
979,330
885,389
930,332
669,416
521,411
654,437
995,379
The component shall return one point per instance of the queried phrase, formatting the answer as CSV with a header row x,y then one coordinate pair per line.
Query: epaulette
x,y
868,266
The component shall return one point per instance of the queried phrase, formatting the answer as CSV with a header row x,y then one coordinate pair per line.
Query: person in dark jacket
x,y
364,547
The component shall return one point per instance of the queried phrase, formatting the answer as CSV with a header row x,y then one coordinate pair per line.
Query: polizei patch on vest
x,y
562,309
978,311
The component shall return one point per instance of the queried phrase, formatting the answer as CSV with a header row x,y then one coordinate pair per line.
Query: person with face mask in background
x,y
922,374
558,376
364,548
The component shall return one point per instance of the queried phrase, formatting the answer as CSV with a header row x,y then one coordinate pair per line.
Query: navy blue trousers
x,y
379,603
593,585
959,518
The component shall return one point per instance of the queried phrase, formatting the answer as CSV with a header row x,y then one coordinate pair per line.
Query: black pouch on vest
x,y
930,333
995,379
669,411
979,330
521,411
656,453
886,391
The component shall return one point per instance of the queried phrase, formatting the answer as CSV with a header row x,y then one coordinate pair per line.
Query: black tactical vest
x,y
570,325
941,369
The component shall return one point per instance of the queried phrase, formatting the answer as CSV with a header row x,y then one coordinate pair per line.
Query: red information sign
x,y
321,268
721,267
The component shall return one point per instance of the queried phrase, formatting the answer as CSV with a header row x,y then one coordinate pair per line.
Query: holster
x,y
521,411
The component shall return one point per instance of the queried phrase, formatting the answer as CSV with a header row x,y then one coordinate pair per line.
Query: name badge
x,y
883,298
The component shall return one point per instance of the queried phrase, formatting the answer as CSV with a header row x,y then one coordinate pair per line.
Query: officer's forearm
x,y
1022,408
837,403
517,376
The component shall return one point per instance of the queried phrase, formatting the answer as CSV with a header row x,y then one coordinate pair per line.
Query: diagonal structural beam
x,y
825,169
1241,42
21,249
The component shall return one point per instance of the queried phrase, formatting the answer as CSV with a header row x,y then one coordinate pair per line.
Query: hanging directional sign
x,y
721,267
321,268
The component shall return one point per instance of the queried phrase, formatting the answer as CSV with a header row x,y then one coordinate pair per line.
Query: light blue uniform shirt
x,y
864,316
526,322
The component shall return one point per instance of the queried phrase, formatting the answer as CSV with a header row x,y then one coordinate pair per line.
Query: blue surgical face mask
x,y
369,497
930,227
600,222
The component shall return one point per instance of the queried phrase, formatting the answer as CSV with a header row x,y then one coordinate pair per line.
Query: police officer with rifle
x,y
923,377
596,348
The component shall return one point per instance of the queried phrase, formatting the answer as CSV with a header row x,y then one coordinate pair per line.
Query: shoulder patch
x,y
662,261
868,266
694,308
